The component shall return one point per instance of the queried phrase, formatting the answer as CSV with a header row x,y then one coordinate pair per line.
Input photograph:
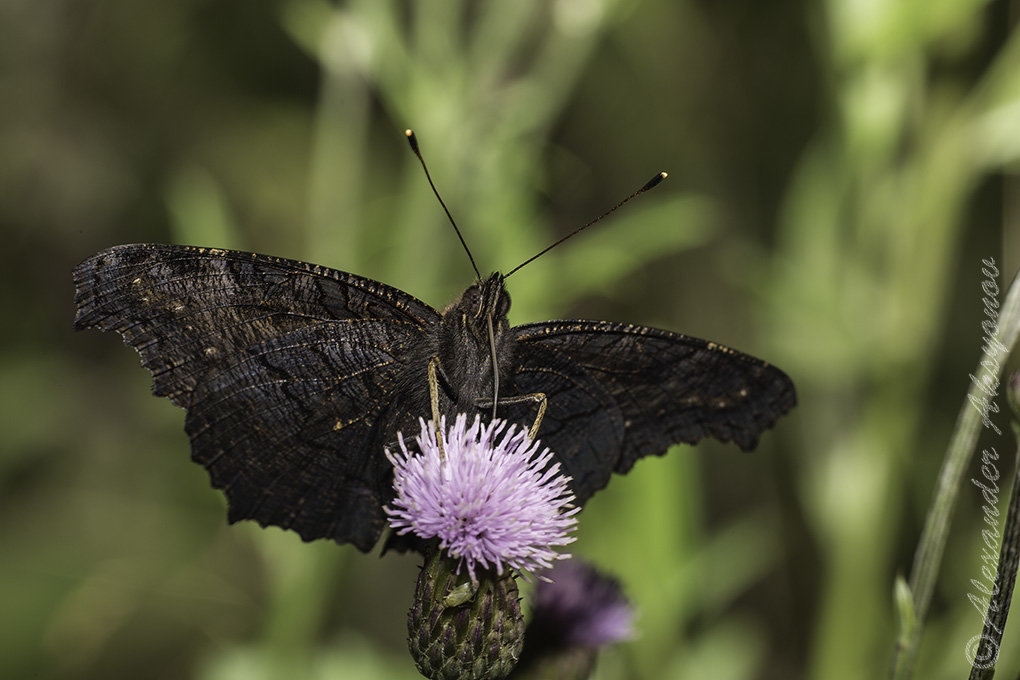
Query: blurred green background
x,y
837,172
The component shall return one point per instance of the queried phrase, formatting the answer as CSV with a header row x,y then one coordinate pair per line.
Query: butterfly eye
x,y
503,305
472,299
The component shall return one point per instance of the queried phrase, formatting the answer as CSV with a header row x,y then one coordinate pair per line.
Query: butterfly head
x,y
483,300
475,326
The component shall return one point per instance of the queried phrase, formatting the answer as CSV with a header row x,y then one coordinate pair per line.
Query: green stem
x,y
928,557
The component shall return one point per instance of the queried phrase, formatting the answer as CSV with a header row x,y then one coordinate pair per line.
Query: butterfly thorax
x,y
464,350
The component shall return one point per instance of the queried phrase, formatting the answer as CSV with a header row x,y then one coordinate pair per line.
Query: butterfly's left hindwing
x,y
668,388
291,429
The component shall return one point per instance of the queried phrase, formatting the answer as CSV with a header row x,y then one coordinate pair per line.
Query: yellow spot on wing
x,y
341,424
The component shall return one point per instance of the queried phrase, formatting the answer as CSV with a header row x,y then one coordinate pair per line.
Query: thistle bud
x,y
456,635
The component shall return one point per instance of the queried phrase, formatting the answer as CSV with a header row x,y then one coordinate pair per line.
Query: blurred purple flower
x,y
490,498
578,606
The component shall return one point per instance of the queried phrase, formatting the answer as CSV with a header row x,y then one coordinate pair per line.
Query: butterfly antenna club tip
x,y
412,140
650,184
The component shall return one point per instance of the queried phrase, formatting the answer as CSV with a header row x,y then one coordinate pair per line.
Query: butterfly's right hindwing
x,y
582,425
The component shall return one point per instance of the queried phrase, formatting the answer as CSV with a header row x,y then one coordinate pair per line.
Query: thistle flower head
x,y
490,496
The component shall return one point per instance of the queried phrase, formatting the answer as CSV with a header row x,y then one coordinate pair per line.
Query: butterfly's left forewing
x,y
188,310
668,388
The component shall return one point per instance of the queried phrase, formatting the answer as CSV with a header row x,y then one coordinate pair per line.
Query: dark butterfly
x,y
295,377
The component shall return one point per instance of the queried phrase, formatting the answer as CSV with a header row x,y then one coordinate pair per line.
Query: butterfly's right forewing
x,y
668,388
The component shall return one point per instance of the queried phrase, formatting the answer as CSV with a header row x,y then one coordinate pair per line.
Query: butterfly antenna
x,y
650,184
413,141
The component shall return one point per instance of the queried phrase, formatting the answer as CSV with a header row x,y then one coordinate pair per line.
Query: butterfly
x,y
295,377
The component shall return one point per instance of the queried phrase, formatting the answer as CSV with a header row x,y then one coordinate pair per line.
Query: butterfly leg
x,y
537,397
434,369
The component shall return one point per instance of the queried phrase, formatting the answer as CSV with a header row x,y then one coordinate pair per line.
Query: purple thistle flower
x,y
578,606
490,498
